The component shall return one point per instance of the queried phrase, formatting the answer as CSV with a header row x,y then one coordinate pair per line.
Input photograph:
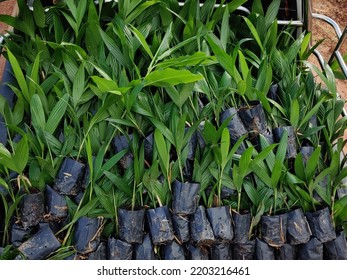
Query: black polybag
x,y
312,250
336,249
185,197
40,245
201,232
70,177
119,250
160,225
131,224
298,229
87,234
274,229
321,224
173,251
221,222
32,209
180,225
145,250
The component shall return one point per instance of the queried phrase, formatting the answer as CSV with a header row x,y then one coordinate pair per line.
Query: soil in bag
x,y
273,92
235,127
291,151
56,207
244,251
321,225
131,224
253,117
336,249
242,225
40,245
312,250
189,164
160,225
100,253
235,124
20,234
198,253
173,251
221,251
298,229
221,222
263,251
121,142
32,209
145,250
286,252
87,234
201,232
181,227
274,229
185,197
119,250
306,152
56,226
148,146
70,176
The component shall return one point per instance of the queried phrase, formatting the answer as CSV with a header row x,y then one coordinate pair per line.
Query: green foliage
x,y
87,72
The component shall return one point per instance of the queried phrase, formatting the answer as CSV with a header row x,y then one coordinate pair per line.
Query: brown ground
x,y
336,9
6,7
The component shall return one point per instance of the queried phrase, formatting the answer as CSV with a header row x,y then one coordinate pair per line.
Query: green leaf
x,y
243,65
119,183
18,24
163,130
81,10
299,167
179,97
113,48
112,161
251,192
210,133
139,36
225,28
261,173
21,154
224,147
37,112
282,147
57,114
105,200
223,58
78,85
19,75
245,161
276,174
135,13
312,163
292,179
34,75
85,210
254,33
295,113
163,149
39,14
108,85
198,58
272,12
171,77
